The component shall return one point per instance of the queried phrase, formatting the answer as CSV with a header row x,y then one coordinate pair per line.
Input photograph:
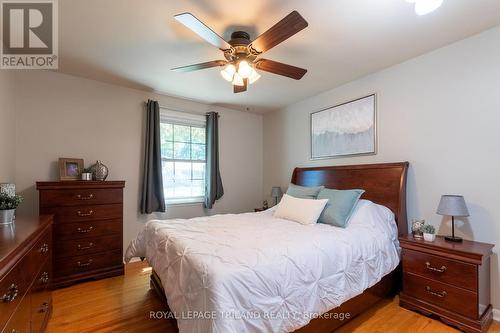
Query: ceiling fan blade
x,y
238,89
280,32
202,30
281,69
199,66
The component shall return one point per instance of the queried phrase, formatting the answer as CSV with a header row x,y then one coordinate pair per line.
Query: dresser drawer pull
x,y
85,231
434,269
44,307
44,248
89,213
84,264
11,294
85,197
13,330
81,248
44,278
441,294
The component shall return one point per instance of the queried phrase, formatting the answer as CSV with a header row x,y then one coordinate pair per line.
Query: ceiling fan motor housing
x,y
240,40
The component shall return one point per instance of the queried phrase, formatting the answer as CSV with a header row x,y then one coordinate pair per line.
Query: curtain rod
x,y
184,111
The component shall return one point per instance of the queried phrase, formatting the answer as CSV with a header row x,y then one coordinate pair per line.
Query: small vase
x,y
429,237
86,176
7,216
100,171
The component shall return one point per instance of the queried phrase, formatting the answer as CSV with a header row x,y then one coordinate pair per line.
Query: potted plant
x,y
87,174
8,205
429,232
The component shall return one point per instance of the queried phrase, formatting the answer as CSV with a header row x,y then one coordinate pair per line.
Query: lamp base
x,y
453,239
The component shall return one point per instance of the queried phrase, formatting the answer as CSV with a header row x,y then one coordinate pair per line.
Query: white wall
x,y
65,116
441,112
7,130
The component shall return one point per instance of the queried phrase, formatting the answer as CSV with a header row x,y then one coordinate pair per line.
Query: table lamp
x,y
276,193
452,205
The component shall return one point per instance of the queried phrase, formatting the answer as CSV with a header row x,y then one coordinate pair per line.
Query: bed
x,y
255,273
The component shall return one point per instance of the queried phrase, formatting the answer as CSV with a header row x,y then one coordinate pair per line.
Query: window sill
x,y
185,202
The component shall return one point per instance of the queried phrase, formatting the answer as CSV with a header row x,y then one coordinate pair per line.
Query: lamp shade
x,y
276,192
452,205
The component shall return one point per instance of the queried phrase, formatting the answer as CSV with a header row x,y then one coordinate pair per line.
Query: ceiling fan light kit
x,y
242,54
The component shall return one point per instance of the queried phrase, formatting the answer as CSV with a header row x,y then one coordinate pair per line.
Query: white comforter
x,y
256,273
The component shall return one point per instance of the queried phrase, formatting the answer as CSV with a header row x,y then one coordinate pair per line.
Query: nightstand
x,y
449,280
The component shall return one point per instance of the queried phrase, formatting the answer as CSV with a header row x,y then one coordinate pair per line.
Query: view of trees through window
x,y
183,161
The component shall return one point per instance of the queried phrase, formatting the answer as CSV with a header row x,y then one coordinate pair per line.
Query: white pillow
x,y
304,211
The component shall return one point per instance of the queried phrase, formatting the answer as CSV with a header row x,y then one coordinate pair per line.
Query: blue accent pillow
x,y
303,192
340,206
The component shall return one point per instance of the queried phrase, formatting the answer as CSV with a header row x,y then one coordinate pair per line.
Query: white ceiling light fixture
x,y
228,72
423,7
238,80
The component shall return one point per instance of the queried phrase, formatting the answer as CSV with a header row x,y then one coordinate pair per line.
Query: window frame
x,y
192,121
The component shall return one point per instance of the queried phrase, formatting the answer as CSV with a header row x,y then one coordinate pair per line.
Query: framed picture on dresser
x,y
70,168
346,129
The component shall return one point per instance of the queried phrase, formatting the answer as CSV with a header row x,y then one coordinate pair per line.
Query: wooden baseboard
x,y
496,315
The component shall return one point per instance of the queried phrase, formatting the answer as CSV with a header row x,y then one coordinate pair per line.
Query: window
x,y
183,156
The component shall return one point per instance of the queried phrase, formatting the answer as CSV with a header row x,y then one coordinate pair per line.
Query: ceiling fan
x,y
242,54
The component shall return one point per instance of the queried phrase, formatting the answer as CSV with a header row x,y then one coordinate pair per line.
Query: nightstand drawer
x,y
448,297
449,271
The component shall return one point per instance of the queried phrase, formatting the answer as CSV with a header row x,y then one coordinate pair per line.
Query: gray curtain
x,y
213,188
152,199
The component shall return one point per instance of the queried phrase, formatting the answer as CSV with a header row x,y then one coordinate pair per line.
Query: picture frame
x,y
346,129
70,168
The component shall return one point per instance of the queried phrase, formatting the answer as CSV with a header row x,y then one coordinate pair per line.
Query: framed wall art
x,y
345,130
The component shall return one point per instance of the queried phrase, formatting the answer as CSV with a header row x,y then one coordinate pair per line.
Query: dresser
x,y
447,279
25,273
88,228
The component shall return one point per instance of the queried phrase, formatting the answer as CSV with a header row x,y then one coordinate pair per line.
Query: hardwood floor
x,y
123,304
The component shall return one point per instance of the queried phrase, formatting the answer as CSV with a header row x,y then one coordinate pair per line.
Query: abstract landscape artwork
x,y
345,129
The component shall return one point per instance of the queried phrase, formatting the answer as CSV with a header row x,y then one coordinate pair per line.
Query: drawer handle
x,y
441,294
85,231
90,213
81,248
44,278
44,307
84,264
434,269
11,294
85,197
44,248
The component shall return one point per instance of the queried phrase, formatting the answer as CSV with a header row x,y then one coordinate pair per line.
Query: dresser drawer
x,y
86,229
41,300
452,298
441,269
87,263
84,213
78,197
89,245
40,253
12,289
20,320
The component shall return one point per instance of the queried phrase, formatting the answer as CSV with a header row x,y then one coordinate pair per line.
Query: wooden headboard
x,y
384,184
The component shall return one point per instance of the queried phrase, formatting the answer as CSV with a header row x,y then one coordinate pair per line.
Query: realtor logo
x,y
29,34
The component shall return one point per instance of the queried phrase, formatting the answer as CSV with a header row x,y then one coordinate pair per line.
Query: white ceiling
x,y
136,42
